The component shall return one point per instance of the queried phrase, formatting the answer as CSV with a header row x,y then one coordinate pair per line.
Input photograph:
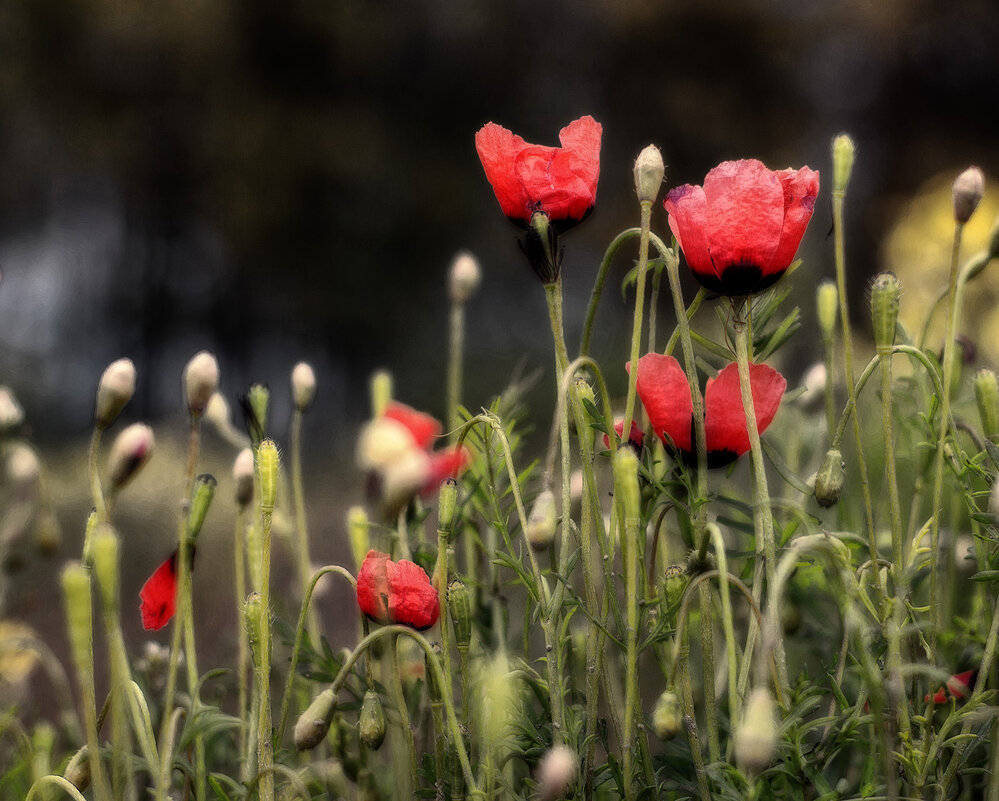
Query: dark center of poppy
x,y
741,278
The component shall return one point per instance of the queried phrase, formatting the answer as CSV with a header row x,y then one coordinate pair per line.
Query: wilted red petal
x,y
665,393
396,592
373,586
422,426
724,417
444,464
159,595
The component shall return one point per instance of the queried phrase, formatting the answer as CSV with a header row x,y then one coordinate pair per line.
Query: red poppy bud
x,y
740,231
396,592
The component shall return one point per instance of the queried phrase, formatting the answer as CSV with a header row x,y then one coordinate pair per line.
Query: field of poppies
x,y
716,586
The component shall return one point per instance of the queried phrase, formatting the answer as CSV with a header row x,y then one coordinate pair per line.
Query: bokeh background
x,y
276,181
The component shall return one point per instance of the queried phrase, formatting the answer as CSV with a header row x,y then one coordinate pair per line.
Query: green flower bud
x,y
357,530
446,503
967,192
843,152
585,392
987,397
381,392
77,771
267,470
460,604
649,174
115,390
827,305
755,738
79,615
303,386
829,480
371,721
667,717
626,490
204,491
256,404
253,615
884,310
464,278
674,584
542,522
201,379
105,549
314,722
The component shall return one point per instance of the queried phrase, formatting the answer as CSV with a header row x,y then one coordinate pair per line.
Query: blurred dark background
x,y
276,181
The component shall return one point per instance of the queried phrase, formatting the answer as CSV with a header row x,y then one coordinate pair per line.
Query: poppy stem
x,y
95,481
454,365
243,645
301,522
636,329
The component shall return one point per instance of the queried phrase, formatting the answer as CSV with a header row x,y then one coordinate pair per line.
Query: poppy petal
x,y
688,220
635,438
444,464
373,586
422,426
746,213
801,187
498,148
396,592
159,595
662,386
724,417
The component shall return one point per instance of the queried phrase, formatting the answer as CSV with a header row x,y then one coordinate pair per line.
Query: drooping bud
x,y
303,385
558,770
242,476
115,390
11,413
371,721
884,310
267,470
755,738
460,605
204,492
626,489
543,521
843,152
77,771
649,174
357,530
256,403
827,304
201,379
829,480
464,278
967,192
381,392
130,450
667,717
314,722
987,397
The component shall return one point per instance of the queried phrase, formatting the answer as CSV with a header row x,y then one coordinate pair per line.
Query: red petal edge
x,y
159,595
724,418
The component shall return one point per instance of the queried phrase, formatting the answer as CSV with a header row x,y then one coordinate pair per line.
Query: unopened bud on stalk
x,y
967,192
447,502
829,480
626,490
381,392
77,771
217,411
303,385
543,521
667,717
371,721
460,605
884,310
256,404
105,550
11,413
827,305
464,278
314,722
649,174
675,582
201,379
204,492
558,770
987,397
357,530
129,452
242,476
253,614
76,591
23,470
755,738
585,393
267,470
115,390
843,152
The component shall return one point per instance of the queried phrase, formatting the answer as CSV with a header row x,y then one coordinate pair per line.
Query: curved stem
x,y
636,330
38,787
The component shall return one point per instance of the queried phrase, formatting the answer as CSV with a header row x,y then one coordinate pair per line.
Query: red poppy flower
x,y
958,686
396,592
159,594
636,438
422,426
662,386
561,182
740,231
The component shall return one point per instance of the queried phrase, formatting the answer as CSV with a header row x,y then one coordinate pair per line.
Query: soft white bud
x,y
382,441
815,385
11,413
465,277
649,174
542,523
967,191
201,379
404,477
115,390
242,476
303,385
755,737
558,770
23,469
129,452
217,411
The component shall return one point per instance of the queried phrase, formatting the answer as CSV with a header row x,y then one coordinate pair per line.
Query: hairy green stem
x,y
301,522
636,329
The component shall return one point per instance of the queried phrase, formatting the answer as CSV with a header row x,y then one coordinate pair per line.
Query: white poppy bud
x,y
11,413
201,379
755,738
129,452
382,442
23,469
542,523
115,390
649,174
303,385
465,277
557,771
967,191
242,476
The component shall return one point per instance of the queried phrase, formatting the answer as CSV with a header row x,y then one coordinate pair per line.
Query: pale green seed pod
x,y
649,174
114,391
987,398
542,523
667,717
885,292
204,492
827,305
357,530
371,721
381,392
843,153
967,193
201,379
830,478
460,605
106,555
256,405
626,489
314,723
79,615
303,385
77,771
268,466
755,738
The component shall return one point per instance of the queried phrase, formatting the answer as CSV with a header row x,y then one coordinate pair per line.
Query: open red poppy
x,y
421,425
662,386
561,182
159,594
396,592
740,231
